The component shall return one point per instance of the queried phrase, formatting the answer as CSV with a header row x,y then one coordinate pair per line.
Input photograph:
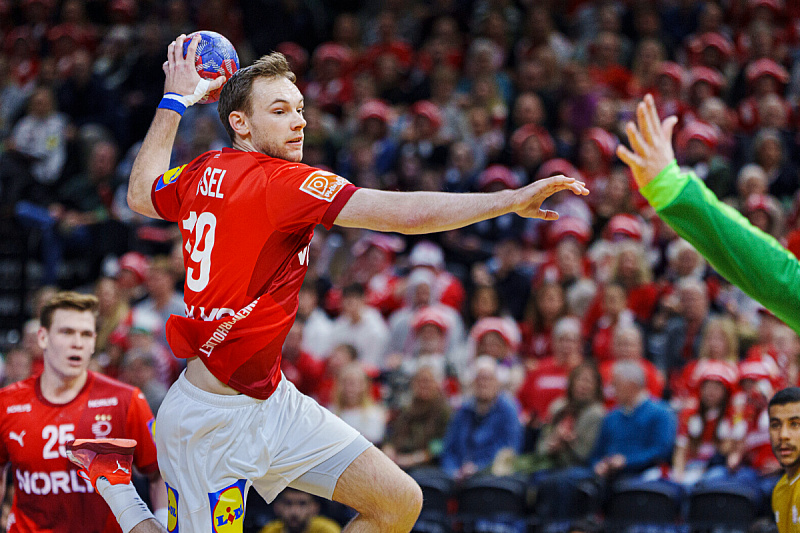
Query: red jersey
x,y
49,494
247,220
542,386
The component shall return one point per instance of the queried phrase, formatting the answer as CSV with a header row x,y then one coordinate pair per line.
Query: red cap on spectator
x,y
714,40
671,69
296,54
775,5
708,75
390,244
334,52
701,131
554,167
725,373
375,109
567,226
766,67
605,141
426,253
522,134
755,369
623,226
126,7
62,30
504,326
137,263
20,33
430,315
429,110
497,174
762,202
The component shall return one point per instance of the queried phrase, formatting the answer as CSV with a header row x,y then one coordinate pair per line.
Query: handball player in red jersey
x,y
40,415
247,215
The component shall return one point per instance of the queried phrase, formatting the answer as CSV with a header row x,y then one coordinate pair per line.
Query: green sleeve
x,y
743,254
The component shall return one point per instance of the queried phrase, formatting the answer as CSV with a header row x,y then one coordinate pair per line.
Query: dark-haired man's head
x,y
784,428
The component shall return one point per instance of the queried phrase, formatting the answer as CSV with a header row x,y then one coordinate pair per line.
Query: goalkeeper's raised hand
x,y
651,142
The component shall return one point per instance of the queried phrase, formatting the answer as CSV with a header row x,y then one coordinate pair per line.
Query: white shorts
x,y
212,448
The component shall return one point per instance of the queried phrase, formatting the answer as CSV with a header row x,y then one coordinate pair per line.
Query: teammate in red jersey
x,y
39,415
247,216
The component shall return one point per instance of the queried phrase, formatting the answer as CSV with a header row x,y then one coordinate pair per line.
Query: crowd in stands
x,y
598,346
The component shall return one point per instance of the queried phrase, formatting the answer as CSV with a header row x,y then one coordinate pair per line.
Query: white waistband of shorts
x,y
217,400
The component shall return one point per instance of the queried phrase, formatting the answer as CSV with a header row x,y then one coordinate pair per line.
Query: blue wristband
x,y
169,101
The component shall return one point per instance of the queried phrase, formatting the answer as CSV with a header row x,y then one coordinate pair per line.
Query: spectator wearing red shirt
x,y
545,307
756,387
615,314
297,365
764,76
447,288
628,345
499,338
708,431
548,380
633,272
719,343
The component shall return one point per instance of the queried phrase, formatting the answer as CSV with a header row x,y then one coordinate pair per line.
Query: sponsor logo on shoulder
x,y
102,402
19,408
170,176
323,185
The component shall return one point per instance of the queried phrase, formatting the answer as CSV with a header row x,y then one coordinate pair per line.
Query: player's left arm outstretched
x,y
428,212
743,254
153,158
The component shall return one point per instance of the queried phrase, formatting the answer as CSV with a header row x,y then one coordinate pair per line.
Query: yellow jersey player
x,y
784,435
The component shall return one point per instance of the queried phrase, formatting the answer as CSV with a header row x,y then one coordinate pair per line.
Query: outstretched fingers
x,y
629,158
636,140
668,126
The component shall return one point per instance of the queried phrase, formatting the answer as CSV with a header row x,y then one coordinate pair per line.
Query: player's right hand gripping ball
x,y
215,57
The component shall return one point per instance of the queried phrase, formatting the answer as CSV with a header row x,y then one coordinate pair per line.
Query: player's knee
x,y
406,504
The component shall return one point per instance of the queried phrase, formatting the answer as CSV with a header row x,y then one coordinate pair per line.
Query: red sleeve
x,y
140,425
165,193
299,196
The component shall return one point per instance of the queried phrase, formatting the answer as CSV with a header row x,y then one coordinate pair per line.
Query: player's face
x,y
276,121
69,342
784,435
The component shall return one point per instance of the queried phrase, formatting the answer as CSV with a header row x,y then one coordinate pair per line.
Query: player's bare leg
x,y
107,464
386,498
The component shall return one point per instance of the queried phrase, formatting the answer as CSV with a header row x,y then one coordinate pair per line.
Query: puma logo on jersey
x,y
323,185
120,467
17,437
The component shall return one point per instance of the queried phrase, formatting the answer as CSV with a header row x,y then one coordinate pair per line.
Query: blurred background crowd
x,y
597,347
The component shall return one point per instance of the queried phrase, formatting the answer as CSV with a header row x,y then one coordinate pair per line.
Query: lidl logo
x,y
151,425
227,508
172,509
169,176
